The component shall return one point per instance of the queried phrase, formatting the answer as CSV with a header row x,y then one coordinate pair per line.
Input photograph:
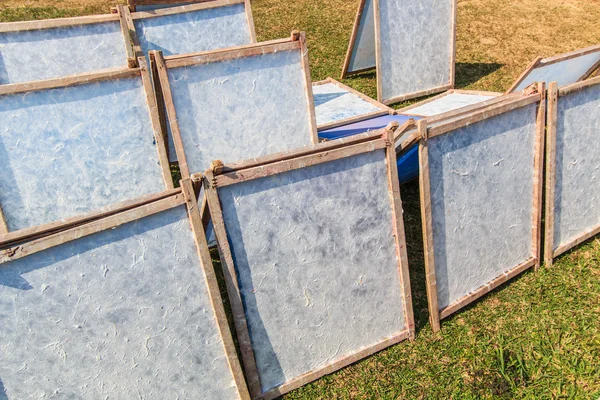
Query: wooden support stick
x,y
550,172
538,176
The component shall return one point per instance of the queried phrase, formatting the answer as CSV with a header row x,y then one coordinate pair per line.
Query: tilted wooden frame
x,y
223,175
383,108
163,64
420,93
131,60
133,211
378,55
540,62
554,94
87,78
496,98
435,313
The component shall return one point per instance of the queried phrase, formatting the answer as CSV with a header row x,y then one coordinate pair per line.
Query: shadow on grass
x,y
469,73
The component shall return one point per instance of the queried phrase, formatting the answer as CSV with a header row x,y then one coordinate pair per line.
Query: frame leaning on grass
x,y
224,175
540,62
552,249
297,41
133,211
435,313
87,78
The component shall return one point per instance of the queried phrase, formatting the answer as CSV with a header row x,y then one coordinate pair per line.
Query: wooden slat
x,y
473,107
213,287
457,305
337,365
550,172
353,38
398,228
453,45
363,96
237,307
231,54
112,221
538,176
174,57
193,6
159,134
524,75
590,71
250,19
410,123
378,50
426,216
12,238
160,101
310,101
575,87
79,79
485,113
413,95
230,178
476,92
56,23
123,13
165,86
570,55
406,110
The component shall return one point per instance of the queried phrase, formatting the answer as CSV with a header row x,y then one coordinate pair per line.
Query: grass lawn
x,y
537,337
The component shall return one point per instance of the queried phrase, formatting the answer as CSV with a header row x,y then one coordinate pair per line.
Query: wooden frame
x,y
540,62
132,60
134,211
352,44
163,64
426,92
194,5
223,175
351,49
383,108
435,314
554,94
82,79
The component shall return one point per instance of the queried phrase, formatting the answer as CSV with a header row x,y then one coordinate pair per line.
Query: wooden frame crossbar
x,y
83,79
134,211
425,133
540,62
190,6
220,175
554,95
384,110
297,41
497,98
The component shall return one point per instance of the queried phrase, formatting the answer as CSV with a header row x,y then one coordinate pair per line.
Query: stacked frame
x,y
290,339
476,172
161,332
451,100
101,130
150,5
337,104
55,48
223,89
572,162
418,32
565,69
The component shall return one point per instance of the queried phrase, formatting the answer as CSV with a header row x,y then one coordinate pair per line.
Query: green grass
x,y
536,337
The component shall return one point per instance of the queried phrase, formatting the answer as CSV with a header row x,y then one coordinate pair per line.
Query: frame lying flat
x,y
383,109
130,57
495,97
225,175
552,249
296,42
436,314
88,78
540,63
135,211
